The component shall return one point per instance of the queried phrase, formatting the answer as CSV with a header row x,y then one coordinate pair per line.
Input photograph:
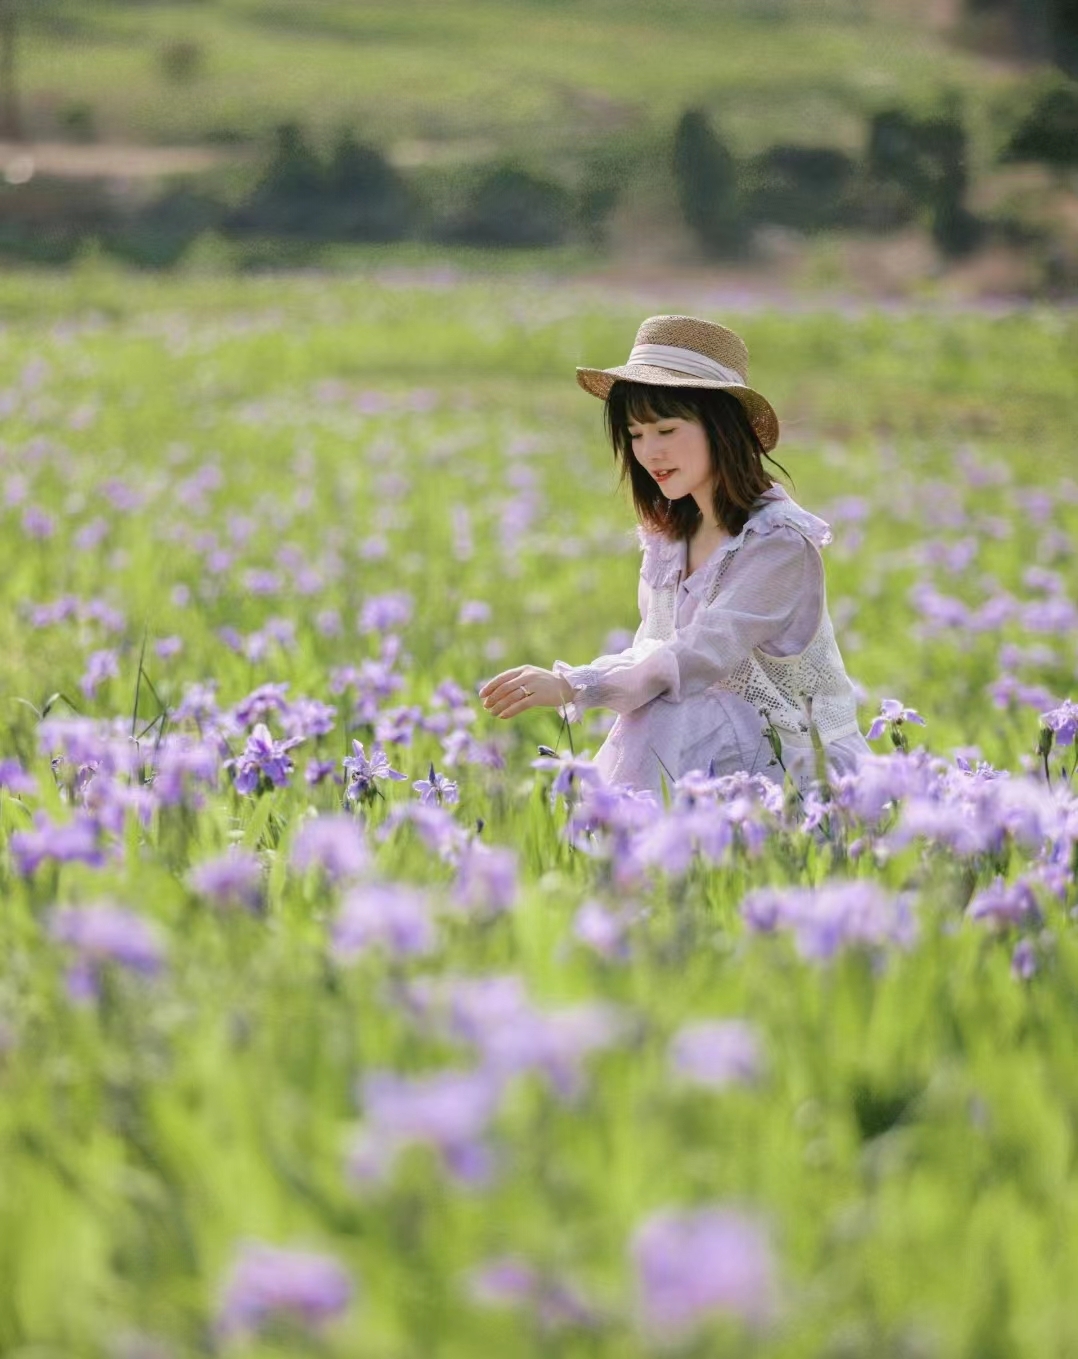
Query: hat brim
x,y
762,417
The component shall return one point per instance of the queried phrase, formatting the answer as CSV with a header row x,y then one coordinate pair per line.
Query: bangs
x,y
640,401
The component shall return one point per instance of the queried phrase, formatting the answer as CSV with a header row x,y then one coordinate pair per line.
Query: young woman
x,y
735,648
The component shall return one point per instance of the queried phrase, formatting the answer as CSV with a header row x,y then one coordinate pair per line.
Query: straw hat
x,y
684,351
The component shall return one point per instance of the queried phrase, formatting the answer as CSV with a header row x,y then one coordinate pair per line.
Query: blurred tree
x,y
367,199
181,60
160,232
706,176
928,159
1048,131
800,186
1042,29
509,206
605,171
290,196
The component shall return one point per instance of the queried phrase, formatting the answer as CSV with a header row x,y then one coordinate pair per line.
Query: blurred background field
x,y
870,147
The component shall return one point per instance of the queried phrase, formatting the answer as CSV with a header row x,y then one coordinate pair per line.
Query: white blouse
x,y
762,590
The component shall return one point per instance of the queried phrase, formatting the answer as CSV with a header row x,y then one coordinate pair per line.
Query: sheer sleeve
x,y
771,597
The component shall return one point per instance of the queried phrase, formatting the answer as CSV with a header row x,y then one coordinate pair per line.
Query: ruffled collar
x,y
665,559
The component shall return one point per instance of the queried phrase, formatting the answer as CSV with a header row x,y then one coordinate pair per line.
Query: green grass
x,y
542,80
912,1142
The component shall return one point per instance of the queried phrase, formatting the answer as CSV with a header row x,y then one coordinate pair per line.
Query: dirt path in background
x,y
107,160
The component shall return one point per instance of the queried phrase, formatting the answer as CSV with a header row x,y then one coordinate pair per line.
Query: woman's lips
x,y
664,476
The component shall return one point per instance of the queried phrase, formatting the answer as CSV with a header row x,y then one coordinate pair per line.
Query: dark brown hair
x,y
736,454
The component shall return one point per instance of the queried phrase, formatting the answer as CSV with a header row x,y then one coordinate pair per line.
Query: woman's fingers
x,y
503,692
514,704
498,680
509,697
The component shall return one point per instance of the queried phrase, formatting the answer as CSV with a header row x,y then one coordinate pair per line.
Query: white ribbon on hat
x,y
684,361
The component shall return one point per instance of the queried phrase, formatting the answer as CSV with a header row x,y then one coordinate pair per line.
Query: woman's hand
x,y
505,695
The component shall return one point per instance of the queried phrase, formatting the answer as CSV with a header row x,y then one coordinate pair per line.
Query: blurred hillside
x,y
766,134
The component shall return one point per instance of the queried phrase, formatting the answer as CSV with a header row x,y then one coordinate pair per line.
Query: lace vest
x,y
810,688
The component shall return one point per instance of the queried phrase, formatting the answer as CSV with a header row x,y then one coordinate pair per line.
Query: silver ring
x,y
526,692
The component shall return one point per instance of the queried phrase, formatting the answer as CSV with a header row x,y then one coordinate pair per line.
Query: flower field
x,y
337,1018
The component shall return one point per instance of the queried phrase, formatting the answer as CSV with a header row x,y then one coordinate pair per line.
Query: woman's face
x,y
674,450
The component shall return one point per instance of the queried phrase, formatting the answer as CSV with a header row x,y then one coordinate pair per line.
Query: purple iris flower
x,y
468,1007
264,761
1062,722
334,844
185,768
1024,960
391,916
100,666
89,748
892,714
362,772
690,1265
1003,904
108,801
604,822
1008,690
318,771
15,778
960,827
434,826
436,789
101,935
880,781
605,932
449,694
233,879
461,747
267,1285
397,725
383,613
77,841
57,611
266,700
509,1281
494,1015
718,1053
506,1281
328,622
373,681
554,1044
571,769
672,842
308,717
486,879
198,704
835,916
450,1111
167,647
37,523
474,611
